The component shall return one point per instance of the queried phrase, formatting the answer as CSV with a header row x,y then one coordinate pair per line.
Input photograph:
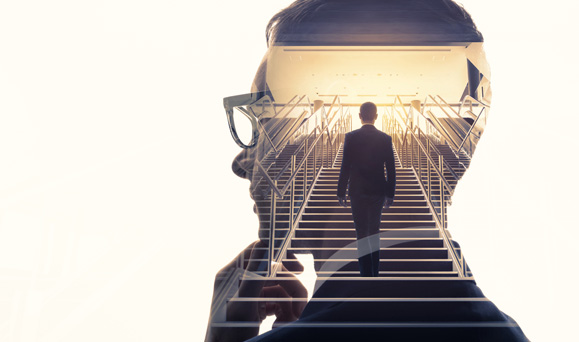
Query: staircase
x,y
418,286
410,241
418,271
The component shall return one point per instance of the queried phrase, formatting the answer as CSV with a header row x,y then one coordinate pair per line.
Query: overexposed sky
x,y
118,206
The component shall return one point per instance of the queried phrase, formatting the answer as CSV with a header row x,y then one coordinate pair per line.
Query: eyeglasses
x,y
243,112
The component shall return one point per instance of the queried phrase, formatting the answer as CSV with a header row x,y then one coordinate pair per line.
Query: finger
x,y
257,257
295,289
292,264
282,310
257,262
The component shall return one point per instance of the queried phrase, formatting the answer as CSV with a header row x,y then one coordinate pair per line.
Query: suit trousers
x,y
367,214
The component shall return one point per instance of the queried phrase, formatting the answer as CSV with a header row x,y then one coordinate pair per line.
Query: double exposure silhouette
x,y
422,63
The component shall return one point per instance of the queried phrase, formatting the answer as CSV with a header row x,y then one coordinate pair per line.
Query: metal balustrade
x,y
458,124
414,150
320,149
298,140
312,139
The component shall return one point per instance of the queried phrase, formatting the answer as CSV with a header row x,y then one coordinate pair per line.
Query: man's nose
x,y
242,164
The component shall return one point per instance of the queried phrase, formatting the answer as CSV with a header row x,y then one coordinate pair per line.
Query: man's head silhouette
x,y
422,64
368,112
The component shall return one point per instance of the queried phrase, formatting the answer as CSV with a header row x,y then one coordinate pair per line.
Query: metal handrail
x,y
466,135
429,159
456,114
339,126
458,130
325,137
293,129
410,126
278,123
476,117
401,143
331,139
280,193
470,131
470,100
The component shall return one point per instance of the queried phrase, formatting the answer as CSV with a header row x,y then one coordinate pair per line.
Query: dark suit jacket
x,y
444,318
366,151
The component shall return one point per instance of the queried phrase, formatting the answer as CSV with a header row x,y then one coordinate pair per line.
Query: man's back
x,y
366,151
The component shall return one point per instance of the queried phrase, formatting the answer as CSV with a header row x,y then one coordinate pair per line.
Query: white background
x,y
117,204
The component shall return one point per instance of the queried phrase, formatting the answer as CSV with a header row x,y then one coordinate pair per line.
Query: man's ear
x,y
360,116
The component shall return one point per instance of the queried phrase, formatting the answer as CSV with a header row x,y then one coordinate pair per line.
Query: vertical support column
x,y
271,245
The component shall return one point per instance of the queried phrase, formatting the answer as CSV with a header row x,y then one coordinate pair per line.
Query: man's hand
x,y
286,287
389,201
343,201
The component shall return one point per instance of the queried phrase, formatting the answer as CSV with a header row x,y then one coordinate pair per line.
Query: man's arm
x,y
391,172
285,286
344,172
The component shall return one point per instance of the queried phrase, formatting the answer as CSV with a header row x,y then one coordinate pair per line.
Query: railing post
x,y
330,150
305,172
335,148
292,193
411,152
442,201
271,245
429,175
419,159
315,152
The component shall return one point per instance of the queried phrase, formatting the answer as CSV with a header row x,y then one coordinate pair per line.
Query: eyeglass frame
x,y
237,101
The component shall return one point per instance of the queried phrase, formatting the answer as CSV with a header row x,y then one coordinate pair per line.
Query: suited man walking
x,y
366,152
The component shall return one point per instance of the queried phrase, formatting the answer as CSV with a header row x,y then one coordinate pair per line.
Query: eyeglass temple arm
x,y
241,100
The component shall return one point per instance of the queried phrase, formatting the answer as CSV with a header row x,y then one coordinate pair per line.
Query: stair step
x,y
384,242
413,274
333,186
398,203
397,196
386,216
393,209
385,253
351,233
384,224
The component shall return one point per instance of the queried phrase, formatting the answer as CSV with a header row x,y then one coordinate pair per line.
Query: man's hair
x,y
371,22
368,111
